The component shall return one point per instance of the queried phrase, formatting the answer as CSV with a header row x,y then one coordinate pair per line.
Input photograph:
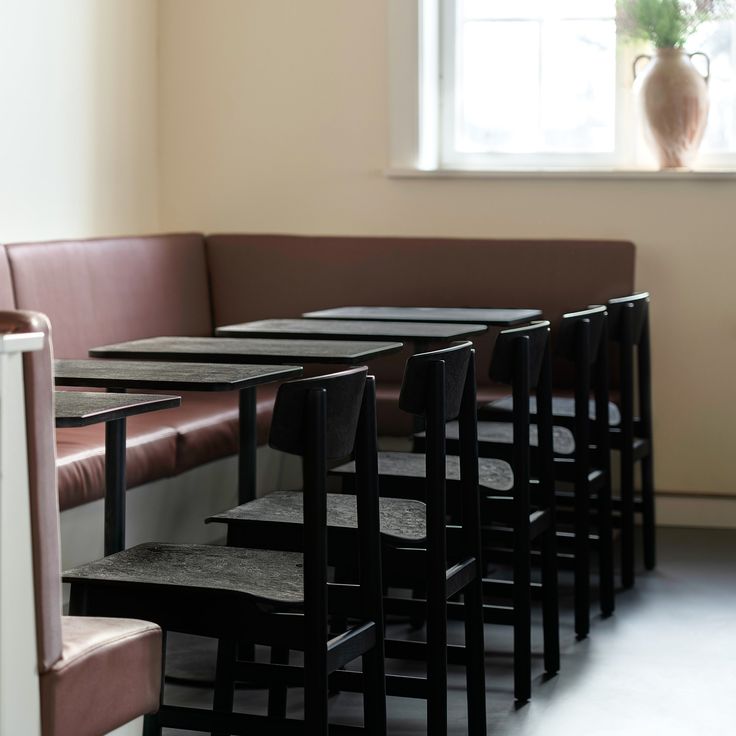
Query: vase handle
x,y
635,65
707,63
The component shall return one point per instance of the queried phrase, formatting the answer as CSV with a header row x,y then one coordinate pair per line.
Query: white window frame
x,y
416,118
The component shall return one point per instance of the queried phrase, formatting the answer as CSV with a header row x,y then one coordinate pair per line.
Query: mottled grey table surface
x,y
491,316
352,329
81,408
247,350
167,376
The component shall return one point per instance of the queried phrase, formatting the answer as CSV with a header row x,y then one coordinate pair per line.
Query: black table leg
x,y
114,486
248,446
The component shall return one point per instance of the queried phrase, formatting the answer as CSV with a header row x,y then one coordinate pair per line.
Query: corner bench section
x,y
260,276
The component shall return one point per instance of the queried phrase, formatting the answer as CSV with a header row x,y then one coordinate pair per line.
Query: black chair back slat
x,y
416,383
565,345
503,359
639,306
343,396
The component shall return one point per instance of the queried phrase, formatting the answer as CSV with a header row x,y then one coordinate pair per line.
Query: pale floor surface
x,y
665,663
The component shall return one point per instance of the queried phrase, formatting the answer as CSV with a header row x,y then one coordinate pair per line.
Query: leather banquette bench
x,y
107,290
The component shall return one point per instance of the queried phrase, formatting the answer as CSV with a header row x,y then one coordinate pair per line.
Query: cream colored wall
x,y
274,117
78,127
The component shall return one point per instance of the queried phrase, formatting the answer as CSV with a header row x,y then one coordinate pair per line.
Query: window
x,y
540,84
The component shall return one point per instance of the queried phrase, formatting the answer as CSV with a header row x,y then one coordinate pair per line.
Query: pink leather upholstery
x,y
7,297
101,291
42,484
150,455
107,290
95,674
261,276
109,674
159,445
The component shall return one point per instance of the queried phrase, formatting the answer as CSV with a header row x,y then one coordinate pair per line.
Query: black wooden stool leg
x,y
605,551
277,693
374,691
582,559
522,615
475,663
224,694
550,603
436,663
648,513
627,516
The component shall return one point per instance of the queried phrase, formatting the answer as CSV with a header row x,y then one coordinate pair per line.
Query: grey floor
x,y
665,663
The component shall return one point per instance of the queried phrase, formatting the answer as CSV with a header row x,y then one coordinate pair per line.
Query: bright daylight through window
x,y
547,84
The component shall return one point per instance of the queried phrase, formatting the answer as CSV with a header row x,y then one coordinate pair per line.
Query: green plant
x,y
667,23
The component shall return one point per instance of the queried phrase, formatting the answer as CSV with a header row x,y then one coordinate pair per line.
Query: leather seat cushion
x,y
159,445
151,454
207,424
109,674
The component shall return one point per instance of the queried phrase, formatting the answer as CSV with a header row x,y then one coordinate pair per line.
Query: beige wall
x,y
78,153
274,117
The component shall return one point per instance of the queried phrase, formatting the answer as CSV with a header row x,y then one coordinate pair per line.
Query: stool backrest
x,y
503,361
441,386
343,394
328,418
415,395
44,501
521,358
583,340
567,344
636,307
629,327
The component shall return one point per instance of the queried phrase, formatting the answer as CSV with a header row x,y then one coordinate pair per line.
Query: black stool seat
x,y
562,406
400,518
493,474
265,575
502,433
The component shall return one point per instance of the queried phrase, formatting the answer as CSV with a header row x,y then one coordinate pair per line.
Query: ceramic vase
x,y
673,101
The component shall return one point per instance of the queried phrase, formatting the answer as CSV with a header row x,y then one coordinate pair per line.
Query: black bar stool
x,y
272,597
582,340
633,438
419,550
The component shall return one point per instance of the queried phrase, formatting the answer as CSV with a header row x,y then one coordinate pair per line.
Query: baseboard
x,y
702,511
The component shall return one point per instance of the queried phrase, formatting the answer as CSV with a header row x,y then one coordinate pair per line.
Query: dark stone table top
x,y
351,329
168,376
247,350
80,408
497,317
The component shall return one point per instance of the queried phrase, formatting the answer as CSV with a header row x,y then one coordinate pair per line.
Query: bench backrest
x,y
261,276
40,440
108,290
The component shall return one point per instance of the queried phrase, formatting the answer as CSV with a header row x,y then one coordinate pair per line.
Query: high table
x,y
495,317
80,409
156,376
210,352
247,350
416,332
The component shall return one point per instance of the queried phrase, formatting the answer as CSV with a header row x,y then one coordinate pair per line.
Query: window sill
x,y
608,174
